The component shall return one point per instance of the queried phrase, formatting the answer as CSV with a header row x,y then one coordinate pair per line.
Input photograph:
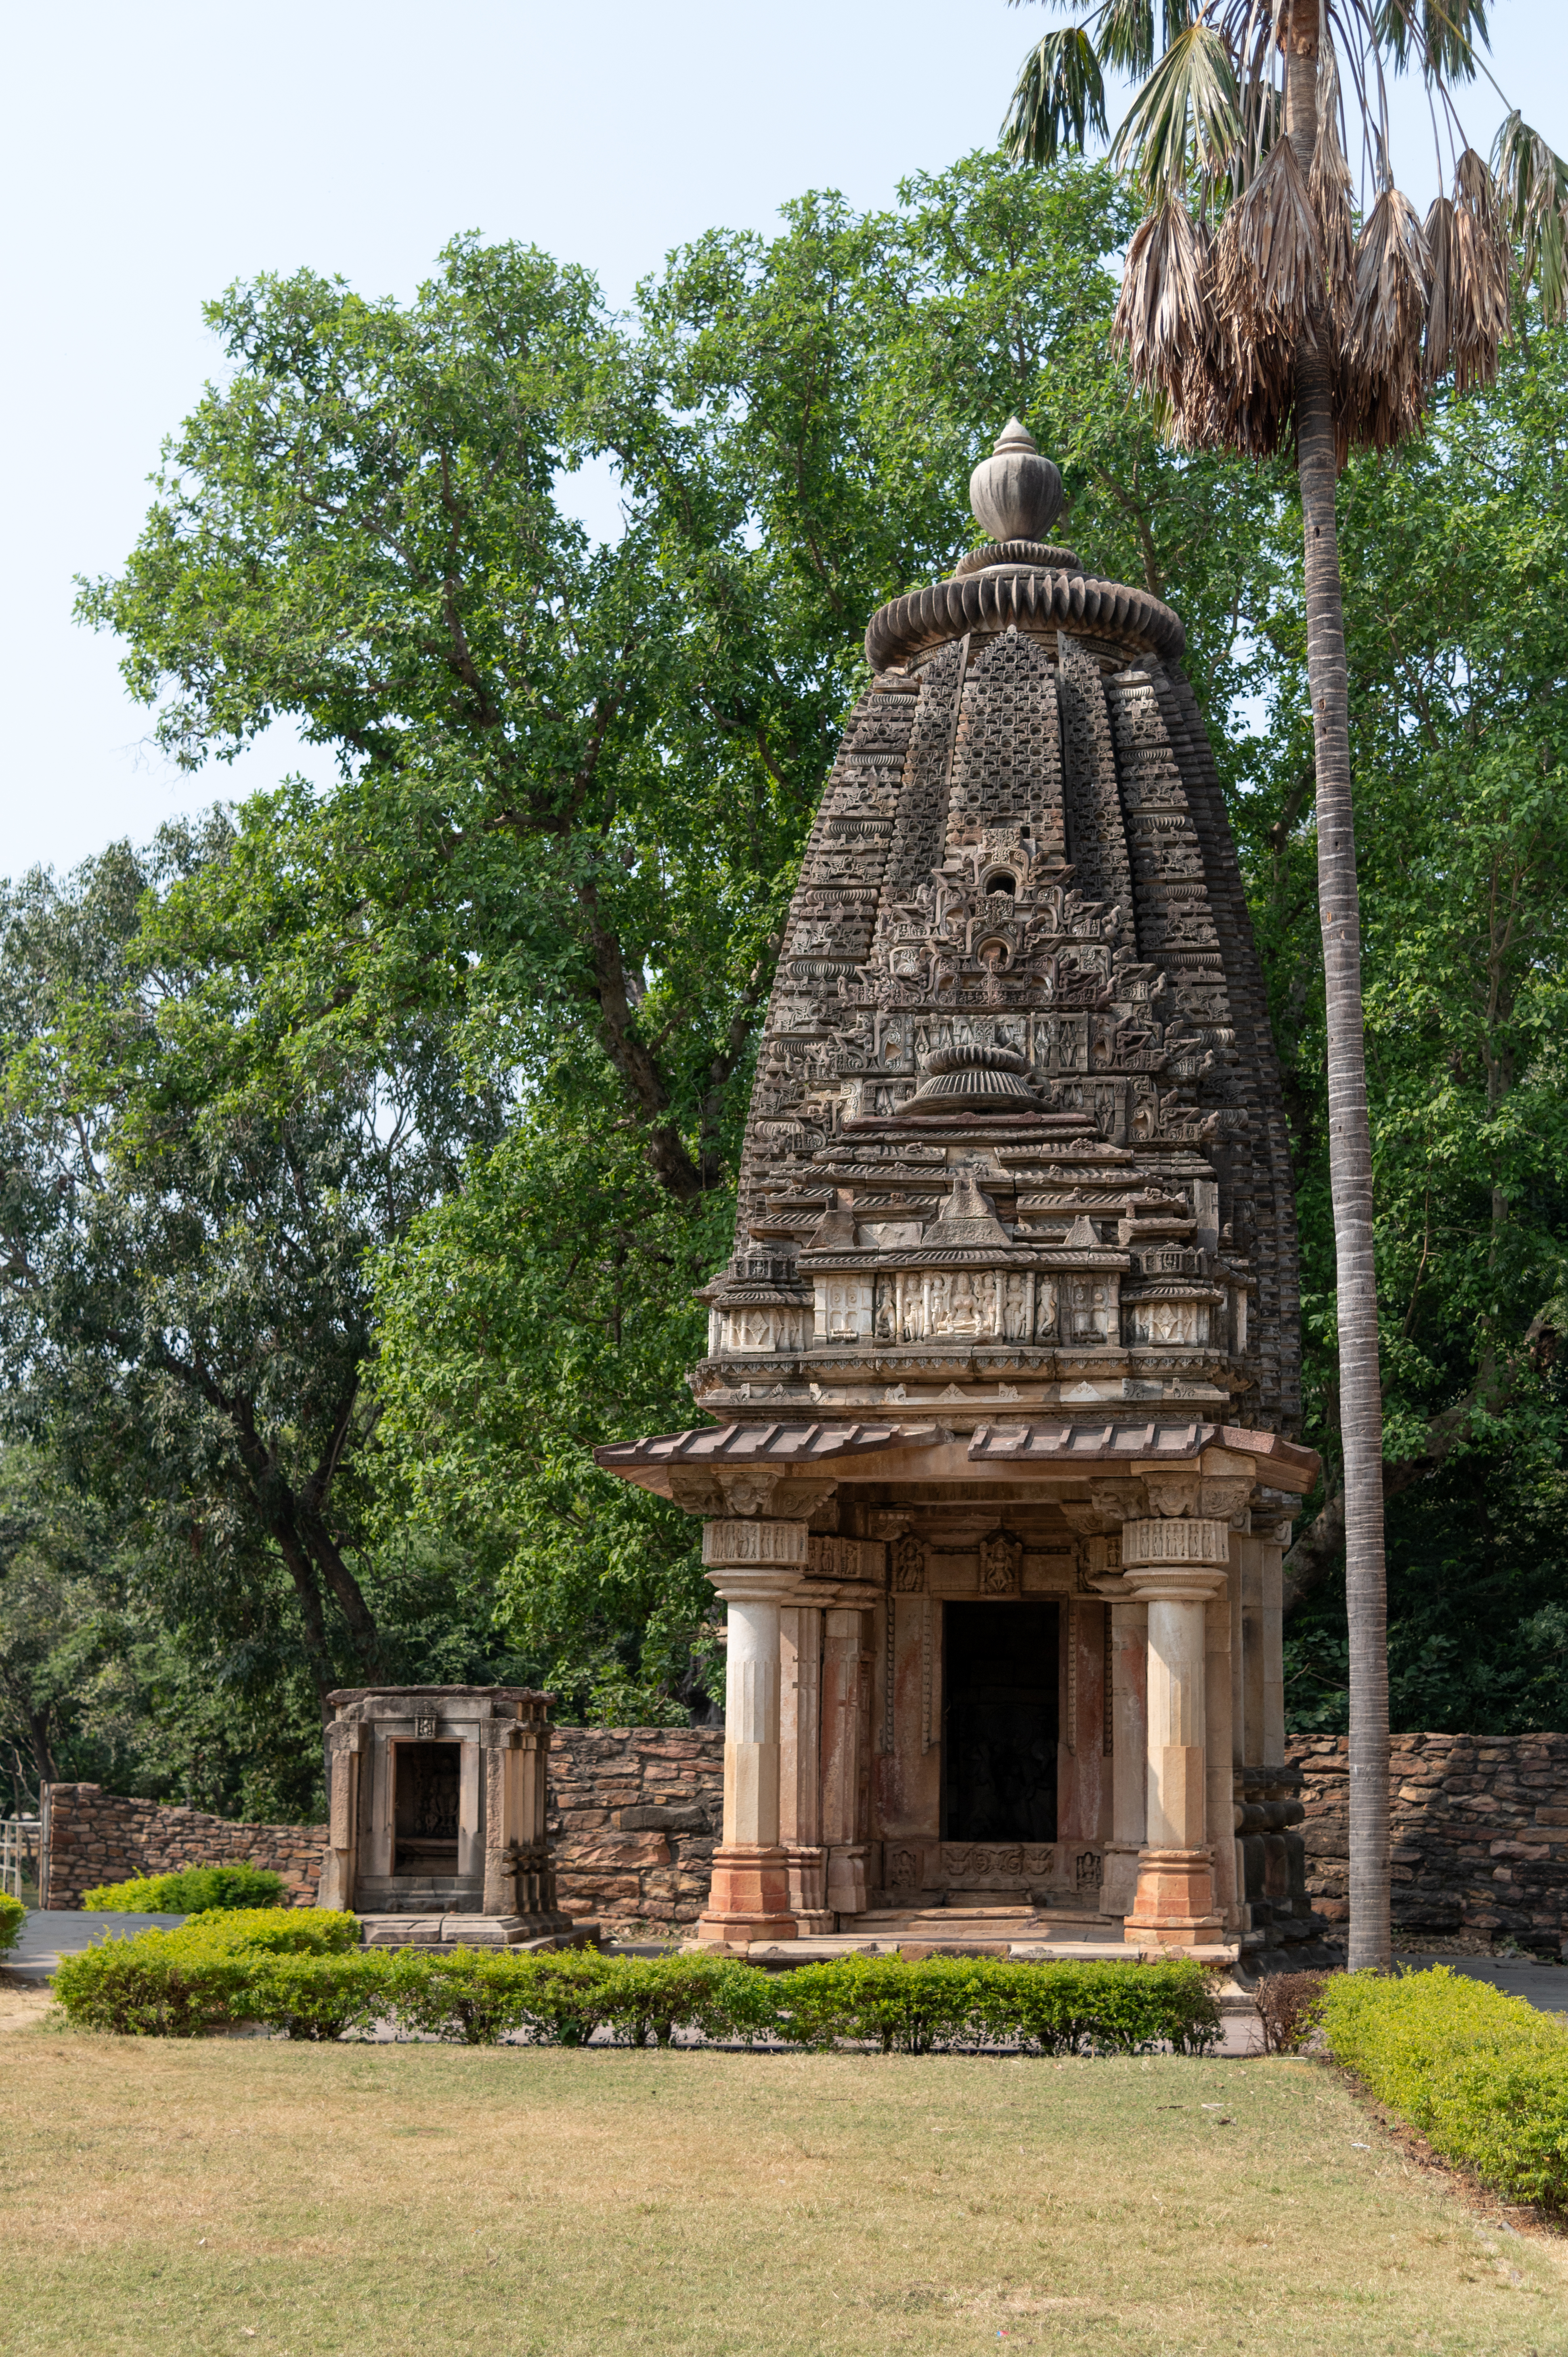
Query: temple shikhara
x,y
1002,1373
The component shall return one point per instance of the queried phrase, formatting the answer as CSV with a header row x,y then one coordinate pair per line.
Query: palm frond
x,y
1126,36
1532,186
1382,377
1186,119
1059,99
1438,37
1477,276
1269,254
1164,314
1438,232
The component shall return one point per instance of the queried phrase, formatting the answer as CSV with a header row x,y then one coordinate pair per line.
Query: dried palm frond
x,y
1438,232
1532,181
1381,382
1163,314
1477,275
1267,257
1328,186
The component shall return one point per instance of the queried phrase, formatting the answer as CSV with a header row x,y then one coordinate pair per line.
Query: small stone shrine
x,y
436,1824
1004,1370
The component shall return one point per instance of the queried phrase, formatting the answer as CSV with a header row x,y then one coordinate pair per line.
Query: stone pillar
x,y
1176,1566
475,1835
1253,1652
520,1881
1271,1585
1219,1770
799,1765
754,1564
841,1762
1129,1746
346,1749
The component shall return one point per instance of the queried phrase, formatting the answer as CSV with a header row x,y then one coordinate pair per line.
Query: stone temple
x,y
1004,1372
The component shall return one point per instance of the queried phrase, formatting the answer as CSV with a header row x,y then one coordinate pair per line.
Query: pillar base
x,y
846,1879
748,1898
807,1887
1119,1887
1175,1898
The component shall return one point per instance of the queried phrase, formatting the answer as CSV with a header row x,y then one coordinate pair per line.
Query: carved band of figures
x,y
754,1540
1176,1539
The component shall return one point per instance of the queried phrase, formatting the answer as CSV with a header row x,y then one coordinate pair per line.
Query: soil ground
x,y
415,2201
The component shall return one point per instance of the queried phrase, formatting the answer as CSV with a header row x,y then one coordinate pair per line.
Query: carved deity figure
x,y
909,1565
1016,1309
1000,1557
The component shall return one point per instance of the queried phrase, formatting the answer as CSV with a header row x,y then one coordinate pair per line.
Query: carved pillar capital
x,y
755,1561
1179,1559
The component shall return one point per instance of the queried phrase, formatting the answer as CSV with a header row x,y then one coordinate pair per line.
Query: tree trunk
x,y
1349,1130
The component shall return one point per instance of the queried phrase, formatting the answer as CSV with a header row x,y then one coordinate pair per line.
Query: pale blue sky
x,y
156,153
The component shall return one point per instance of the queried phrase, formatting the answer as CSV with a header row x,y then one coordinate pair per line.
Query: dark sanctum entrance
x,y
999,1722
426,1807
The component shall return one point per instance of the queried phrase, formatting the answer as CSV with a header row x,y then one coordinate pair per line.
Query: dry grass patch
x,y
408,2202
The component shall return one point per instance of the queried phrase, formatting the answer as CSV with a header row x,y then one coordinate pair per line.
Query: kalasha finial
x,y
1015,493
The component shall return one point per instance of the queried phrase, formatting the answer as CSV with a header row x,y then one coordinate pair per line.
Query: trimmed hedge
x,y
206,1972
1483,2076
194,1890
13,1915
302,1973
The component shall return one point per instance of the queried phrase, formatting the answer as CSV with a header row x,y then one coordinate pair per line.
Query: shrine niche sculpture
x,y
1013,1303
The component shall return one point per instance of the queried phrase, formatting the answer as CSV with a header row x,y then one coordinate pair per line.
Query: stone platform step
x,y
1032,1947
435,1932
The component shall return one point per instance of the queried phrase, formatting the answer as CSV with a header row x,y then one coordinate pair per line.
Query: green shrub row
x,y
316,1983
13,1915
1482,2076
192,1891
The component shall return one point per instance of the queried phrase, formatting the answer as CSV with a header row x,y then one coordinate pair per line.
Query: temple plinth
x,y
1003,1374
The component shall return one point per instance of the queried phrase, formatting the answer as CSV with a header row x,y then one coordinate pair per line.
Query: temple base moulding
x,y
748,1898
1175,1898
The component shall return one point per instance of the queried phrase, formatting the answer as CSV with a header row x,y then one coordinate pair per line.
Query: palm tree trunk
x,y
1349,1130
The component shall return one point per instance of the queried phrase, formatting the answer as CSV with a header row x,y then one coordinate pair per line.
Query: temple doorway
x,y
1000,1683
426,1793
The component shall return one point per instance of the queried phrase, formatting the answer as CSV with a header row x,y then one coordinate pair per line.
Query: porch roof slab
x,y
926,1452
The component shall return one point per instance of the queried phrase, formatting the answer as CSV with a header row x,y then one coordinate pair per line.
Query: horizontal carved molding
x,y
753,1540
1177,1539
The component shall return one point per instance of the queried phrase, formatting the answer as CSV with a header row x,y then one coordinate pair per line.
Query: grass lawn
x,y
411,2201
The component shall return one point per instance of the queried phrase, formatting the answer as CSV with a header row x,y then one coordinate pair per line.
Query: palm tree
x,y
1257,316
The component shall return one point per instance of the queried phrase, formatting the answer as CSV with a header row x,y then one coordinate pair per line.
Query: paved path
x,y
47,1935
1545,1985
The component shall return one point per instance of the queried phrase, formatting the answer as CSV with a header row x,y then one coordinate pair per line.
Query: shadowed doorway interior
x,y
426,1807
999,1722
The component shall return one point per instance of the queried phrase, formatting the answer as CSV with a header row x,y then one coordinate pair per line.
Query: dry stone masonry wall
x,y
1480,1833
634,1815
92,1838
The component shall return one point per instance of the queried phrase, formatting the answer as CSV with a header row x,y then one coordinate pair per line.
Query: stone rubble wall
x,y
91,1836
634,1818
634,1815
1480,1833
